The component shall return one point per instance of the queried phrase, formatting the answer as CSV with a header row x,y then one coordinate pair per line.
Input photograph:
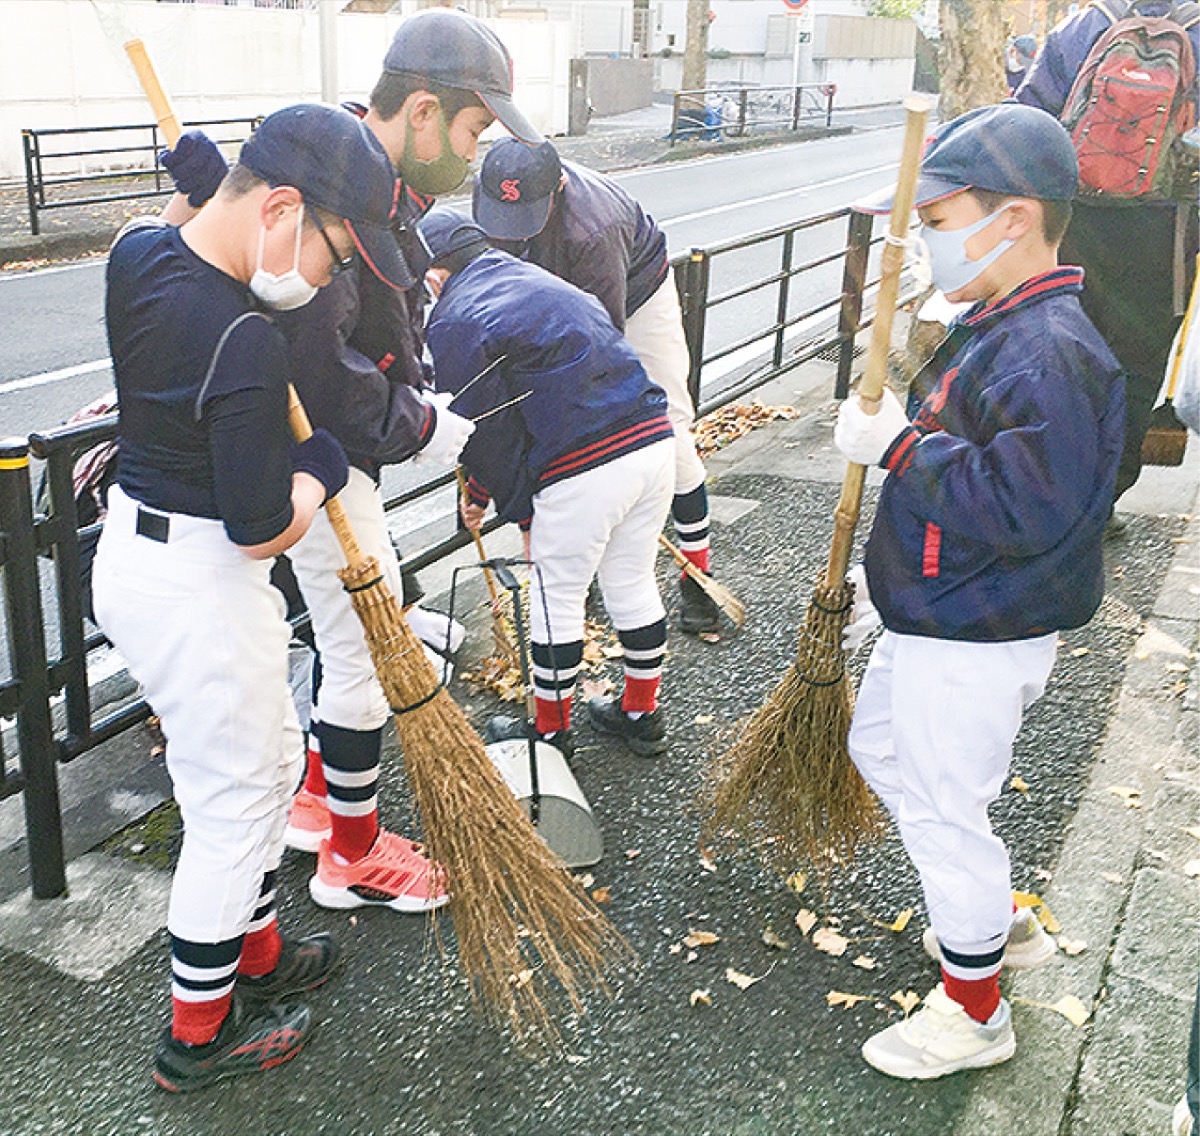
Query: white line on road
x,y
797,190
48,377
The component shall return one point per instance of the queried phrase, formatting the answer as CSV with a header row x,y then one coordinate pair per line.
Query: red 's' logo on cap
x,y
510,189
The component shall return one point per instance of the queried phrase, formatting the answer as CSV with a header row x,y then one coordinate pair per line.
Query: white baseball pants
x,y
932,734
204,632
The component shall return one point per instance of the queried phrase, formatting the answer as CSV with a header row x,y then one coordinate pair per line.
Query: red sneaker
x,y
395,873
308,822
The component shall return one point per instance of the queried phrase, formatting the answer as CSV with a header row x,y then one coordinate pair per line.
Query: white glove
x,y
863,616
864,438
450,432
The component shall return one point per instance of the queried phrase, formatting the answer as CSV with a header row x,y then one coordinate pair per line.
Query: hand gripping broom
x,y
527,935
787,786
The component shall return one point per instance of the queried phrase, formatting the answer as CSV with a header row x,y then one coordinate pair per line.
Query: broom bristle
x,y
530,941
719,594
786,786
1166,439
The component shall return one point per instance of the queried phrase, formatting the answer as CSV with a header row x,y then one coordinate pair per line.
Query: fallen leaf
x,y
1071,947
521,978
706,861
805,920
1132,797
1111,877
574,1058
774,941
691,956
1079,651
700,998
865,962
1176,668
901,921
744,981
602,895
615,651
840,998
907,1000
1068,1005
701,939
1020,784
586,880
1192,868
1043,875
632,853
796,882
829,941
1193,830
1041,909
709,637
702,720
675,948
590,688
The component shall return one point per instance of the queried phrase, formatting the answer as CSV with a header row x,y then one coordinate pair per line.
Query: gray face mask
x,y
288,290
949,264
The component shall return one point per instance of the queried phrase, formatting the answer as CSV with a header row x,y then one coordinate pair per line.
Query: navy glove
x,y
197,166
323,457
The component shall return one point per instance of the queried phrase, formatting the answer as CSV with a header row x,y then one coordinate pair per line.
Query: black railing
x,y
128,156
733,112
45,738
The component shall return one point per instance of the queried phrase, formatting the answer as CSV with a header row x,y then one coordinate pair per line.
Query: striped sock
x,y
644,648
973,980
690,514
202,978
314,771
555,668
351,762
262,945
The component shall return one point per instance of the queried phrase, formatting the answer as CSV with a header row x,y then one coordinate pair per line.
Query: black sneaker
x,y
504,727
304,964
249,1041
699,614
646,736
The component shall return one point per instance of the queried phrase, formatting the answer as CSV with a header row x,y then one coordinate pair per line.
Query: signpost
x,y
801,11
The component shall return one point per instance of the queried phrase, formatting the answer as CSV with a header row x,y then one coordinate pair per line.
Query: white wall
x,y
62,65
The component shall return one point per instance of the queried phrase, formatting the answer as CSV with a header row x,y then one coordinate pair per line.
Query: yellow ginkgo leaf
x,y
1020,784
700,998
840,998
743,981
864,962
796,882
907,1000
828,940
805,920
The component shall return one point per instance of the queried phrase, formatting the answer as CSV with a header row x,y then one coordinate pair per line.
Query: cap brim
x,y
511,221
929,190
381,254
510,118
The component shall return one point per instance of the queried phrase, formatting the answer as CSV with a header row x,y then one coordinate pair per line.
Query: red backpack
x,y
1134,97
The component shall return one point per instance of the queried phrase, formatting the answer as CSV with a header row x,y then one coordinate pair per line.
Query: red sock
x,y
197,1023
698,556
641,694
314,771
353,836
260,951
979,996
553,714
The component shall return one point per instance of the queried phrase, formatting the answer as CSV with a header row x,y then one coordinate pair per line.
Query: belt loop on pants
x,y
153,526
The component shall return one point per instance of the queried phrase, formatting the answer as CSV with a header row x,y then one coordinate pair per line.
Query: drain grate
x,y
831,354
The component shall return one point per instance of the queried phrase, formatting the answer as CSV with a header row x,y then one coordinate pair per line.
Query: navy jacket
x,y
601,240
586,401
989,525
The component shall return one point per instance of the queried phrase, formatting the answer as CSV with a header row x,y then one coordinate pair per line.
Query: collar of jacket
x,y
1064,280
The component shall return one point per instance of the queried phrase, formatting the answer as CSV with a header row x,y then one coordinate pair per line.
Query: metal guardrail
x,y
133,150
736,111
46,738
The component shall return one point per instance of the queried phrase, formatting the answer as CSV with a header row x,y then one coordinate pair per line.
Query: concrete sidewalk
x,y
1109,760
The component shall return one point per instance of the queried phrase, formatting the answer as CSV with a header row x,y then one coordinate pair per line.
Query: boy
x,y
356,355
986,543
587,230
209,490
582,460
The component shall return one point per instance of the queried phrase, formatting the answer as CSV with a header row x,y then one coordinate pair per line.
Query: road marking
x,y
742,204
48,377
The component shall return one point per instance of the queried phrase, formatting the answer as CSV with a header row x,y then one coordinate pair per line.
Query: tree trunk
x,y
695,56
974,37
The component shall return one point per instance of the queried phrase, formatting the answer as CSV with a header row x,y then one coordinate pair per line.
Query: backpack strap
x,y
1185,13
1113,10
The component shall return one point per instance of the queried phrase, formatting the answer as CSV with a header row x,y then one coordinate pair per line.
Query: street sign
x,y
795,6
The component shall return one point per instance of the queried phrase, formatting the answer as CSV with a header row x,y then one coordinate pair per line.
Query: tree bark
x,y
974,37
695,55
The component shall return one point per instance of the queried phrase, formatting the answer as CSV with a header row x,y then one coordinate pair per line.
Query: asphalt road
x,y
54,358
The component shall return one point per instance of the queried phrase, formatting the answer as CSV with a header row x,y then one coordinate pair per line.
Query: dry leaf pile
x,y
716,430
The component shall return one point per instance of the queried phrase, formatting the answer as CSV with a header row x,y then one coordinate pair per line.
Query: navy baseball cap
x,y
514,189
1010,148
457,50
446,232
338,165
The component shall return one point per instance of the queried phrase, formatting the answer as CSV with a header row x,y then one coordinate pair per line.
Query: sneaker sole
x,y
982,1060
346,899
636,745
305,840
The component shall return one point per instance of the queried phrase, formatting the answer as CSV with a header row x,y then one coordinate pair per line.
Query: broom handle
x,y
870,387
680,559
159,103
302,430
1184,331
487,572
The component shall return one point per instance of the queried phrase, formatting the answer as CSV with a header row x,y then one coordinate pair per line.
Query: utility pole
x,y
327,27
695,55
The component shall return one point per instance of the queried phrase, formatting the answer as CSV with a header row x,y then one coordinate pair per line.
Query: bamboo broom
x,y
787,786
716,591
501,637
528,936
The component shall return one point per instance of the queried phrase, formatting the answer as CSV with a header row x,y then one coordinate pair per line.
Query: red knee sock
x,y
260,951
979,996
314,771
553,714
698,556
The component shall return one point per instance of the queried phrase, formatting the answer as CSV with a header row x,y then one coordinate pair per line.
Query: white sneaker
x,y
941,1038
438,630
1182,1123
1027,948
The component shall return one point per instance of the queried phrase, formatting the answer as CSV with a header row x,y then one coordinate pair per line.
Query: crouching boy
x,y
581,456
986,544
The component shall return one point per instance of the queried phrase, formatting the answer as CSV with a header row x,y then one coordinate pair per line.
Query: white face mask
x,y
288,290
949,264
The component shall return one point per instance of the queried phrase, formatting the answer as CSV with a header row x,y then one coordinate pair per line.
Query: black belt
x,y
153,526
